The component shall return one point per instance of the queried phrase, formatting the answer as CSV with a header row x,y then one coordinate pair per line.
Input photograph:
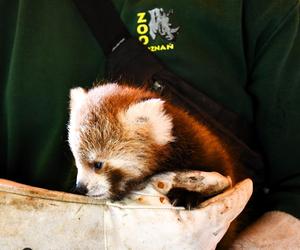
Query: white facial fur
x,y
147,114
97,185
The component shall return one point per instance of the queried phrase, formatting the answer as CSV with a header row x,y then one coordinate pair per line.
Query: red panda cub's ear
x,y
77,96
149,115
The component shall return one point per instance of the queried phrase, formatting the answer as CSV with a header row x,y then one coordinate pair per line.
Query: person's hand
x,y
274,230
147,220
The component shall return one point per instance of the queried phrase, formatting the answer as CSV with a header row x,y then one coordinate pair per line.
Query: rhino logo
x,y
160,24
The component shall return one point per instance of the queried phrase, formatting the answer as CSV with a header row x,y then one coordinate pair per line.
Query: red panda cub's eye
x,y
98,165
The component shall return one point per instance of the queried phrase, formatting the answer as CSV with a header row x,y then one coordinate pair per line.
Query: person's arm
x,y
274,230
274,83
273,53
8,16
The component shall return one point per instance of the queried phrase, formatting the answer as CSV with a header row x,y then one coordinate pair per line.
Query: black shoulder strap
x,y
104,21
126,57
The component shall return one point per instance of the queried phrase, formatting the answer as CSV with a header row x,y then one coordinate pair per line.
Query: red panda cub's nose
x,y
81,188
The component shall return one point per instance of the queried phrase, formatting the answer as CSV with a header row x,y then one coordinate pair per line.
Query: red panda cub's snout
x,y
120,136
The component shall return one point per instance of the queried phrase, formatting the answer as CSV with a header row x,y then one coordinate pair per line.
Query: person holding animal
x,y
242,54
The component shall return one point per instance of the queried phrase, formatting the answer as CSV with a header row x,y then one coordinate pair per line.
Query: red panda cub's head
x,y
116,133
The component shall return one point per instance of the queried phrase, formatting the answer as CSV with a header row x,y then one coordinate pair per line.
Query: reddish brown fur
x,y
196,146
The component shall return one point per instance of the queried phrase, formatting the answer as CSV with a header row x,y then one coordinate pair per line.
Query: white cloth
x,y
42,219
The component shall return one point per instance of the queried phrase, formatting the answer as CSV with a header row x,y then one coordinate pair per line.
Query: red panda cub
x,y
120,136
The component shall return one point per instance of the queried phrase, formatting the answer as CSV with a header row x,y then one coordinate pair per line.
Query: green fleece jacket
x,y
243,54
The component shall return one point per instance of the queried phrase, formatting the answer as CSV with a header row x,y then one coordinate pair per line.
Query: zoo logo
x,y
159,24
